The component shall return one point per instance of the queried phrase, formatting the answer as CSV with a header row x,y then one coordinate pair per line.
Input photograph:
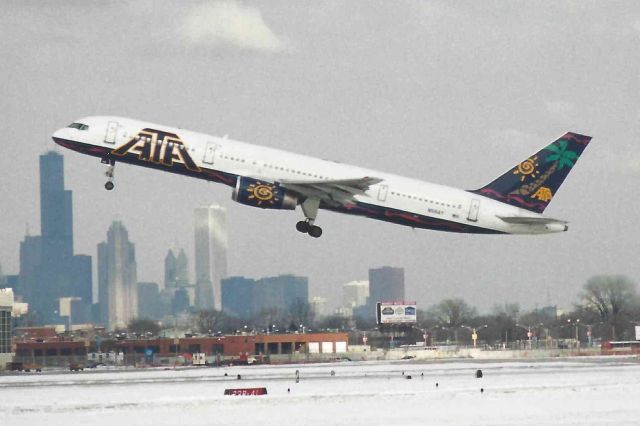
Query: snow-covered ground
x,y
585,391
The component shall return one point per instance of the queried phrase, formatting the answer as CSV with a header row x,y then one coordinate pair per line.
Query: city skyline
x,y
118,286
49,269
59,224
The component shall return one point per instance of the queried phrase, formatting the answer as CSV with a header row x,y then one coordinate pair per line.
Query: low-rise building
x,y
59,351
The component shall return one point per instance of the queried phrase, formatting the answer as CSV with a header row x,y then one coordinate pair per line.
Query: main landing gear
x,y
109,173
310,210
307,227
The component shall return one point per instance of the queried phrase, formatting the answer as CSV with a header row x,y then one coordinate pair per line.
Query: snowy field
x,y
585,391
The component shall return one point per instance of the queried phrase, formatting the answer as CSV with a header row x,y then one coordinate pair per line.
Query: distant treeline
x,y
607,308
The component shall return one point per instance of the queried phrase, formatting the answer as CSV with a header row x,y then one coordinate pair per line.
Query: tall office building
x,y
319,307
56,217
237,296
149,303
355,293
6,330
211,245
386,284
176,277
117,290
281,292
170,270
176,273
247,298
48,269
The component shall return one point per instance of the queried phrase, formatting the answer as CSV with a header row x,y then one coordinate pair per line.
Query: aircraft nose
x,y
56,136
61,136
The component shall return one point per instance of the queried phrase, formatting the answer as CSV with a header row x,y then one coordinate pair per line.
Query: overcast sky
x,y
449,92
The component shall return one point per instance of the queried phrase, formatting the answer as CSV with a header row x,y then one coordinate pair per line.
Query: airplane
x,y
274,179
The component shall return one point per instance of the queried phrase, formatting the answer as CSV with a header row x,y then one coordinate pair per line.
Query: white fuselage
x,y
412,197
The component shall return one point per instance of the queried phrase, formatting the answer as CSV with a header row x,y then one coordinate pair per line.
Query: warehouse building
x,y
60,352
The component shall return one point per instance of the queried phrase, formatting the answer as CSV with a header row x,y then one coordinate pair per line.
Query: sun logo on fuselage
x,y
262,193
528,168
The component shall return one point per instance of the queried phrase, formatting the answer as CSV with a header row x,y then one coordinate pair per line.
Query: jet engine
x,y
266,195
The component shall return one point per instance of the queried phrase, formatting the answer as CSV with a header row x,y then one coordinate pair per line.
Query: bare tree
x,y
300,312
268,317
142,326
507,310
334,322
612,297
453,312
209,320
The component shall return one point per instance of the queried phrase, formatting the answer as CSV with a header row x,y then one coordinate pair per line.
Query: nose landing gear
x,y
109,185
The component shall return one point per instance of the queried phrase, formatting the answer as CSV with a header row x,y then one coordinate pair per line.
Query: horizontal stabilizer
x,y
523,220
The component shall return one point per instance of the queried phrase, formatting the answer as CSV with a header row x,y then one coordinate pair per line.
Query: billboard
x,y
396,313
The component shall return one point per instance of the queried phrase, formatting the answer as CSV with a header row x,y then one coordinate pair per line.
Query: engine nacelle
x,y
266,195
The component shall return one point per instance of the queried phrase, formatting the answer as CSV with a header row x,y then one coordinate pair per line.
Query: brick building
x,y
57,351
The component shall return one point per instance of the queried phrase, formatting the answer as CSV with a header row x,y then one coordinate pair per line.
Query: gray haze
x,y
453,93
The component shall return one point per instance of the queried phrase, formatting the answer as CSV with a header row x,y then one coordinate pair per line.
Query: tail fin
x,y
533,183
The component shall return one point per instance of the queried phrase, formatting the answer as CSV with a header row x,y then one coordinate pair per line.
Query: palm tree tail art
x,y
534,182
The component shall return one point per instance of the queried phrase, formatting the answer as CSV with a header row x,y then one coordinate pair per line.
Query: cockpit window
x,y
78,126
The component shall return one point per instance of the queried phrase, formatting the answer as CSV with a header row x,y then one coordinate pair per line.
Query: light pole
x,y
529,333
474,332
577,324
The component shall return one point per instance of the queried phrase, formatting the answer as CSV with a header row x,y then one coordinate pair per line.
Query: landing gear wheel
x,y
315,231
109,173
303,227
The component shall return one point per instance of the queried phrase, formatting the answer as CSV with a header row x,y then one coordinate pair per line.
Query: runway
x,y
584,391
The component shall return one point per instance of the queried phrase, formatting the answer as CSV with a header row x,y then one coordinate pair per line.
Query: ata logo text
x,y
158,147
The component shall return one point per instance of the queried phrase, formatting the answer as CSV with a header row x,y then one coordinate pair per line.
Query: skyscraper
x,y
176,272
117,290
176,277
56,217
48,269
170,270
6,330
283,292
211,245
149,304
386,284
247,298
355,293
237,296
319,306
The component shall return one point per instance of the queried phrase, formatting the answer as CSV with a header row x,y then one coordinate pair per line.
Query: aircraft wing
x,y
524,220
334,192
